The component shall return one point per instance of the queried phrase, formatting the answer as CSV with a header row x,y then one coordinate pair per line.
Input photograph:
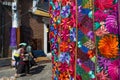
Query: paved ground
x,y
40,72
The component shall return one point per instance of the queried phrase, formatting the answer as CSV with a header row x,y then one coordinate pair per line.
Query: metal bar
x,y
76,39
118,21
2,30
95,37
118,24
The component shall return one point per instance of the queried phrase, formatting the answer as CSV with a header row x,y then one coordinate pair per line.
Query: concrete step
x,y
42,59
9,62
5,62
49,55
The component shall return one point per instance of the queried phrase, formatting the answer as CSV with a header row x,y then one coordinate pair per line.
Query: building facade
x,y
32,26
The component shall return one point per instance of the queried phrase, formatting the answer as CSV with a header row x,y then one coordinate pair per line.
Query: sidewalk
x,y
40,72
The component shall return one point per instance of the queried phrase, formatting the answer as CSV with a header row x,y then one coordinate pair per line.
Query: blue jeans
x,y
17,59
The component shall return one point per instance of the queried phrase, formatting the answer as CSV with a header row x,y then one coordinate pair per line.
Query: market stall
x,y
84,39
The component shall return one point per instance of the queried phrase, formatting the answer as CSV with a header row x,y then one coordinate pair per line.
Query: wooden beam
x,y
41,13
18,35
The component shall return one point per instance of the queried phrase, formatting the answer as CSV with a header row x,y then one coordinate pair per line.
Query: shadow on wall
x,y
31,24
26,34
5,24
25,29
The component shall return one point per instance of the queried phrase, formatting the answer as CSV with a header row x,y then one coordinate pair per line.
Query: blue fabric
x,y
84,49
38,53
80,35
85,11
79,2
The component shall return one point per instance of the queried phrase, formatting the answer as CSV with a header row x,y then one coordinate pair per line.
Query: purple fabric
x,y
90,34
111,23
113,69
103,62
13,38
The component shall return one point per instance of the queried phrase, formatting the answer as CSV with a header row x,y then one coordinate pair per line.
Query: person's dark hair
x,y
21,46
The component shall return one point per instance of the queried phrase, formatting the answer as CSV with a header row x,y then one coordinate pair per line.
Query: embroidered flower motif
x,y
108,46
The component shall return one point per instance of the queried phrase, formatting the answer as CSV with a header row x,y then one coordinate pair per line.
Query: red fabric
x,y
87,69
78,77
22,62
85,30
103,4
64,2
